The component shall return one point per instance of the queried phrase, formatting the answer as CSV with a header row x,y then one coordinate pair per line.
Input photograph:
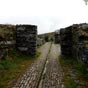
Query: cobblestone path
x,y
52,74
31,77
45,72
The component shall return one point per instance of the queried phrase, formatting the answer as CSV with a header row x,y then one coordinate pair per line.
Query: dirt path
x,y
45,72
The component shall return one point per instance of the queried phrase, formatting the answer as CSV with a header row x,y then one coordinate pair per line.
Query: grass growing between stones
x,y
13,66
75,73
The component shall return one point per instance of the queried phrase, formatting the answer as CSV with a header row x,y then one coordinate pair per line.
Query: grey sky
x,y
49,15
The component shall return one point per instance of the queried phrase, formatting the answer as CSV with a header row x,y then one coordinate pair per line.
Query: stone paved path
x,y
52,75
31,77
45,72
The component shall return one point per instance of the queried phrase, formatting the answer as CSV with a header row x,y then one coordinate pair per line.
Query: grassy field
x,y
13,66
75,73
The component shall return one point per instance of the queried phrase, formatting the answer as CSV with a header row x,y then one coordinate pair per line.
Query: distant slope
x,y
50,35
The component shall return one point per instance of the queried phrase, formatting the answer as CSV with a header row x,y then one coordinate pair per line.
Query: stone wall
x,y
74,41
57,36
7,39
80,42
66,41
26,39
23,37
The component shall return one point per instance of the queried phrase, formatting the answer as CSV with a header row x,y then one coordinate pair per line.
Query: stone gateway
x,y
26,39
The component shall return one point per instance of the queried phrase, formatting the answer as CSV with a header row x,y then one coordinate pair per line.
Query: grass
x,y
70,83
13,66
79,68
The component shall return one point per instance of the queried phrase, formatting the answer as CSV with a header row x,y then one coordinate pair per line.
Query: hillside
x,y
50,35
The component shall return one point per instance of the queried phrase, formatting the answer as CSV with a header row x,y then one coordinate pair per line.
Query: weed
x,y
79,68
14,65
69,83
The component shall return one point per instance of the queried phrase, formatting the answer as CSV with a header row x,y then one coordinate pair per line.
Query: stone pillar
x,y
57,36
26,37
66,41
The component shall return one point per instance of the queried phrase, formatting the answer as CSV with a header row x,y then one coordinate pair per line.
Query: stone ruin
x,y
74,41
66,41
7,39
80,42
57,36
21,37
7,34
26,39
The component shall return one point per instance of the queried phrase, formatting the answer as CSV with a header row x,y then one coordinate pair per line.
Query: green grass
x,y
79,68
13,66
69,83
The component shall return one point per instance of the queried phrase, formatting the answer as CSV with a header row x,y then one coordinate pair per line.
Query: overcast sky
x,y
48,15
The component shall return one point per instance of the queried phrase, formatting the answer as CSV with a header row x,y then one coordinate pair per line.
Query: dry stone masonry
x,y
7,39
74,41
7,34
57,36
66,41
26,39
23,37
80,42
